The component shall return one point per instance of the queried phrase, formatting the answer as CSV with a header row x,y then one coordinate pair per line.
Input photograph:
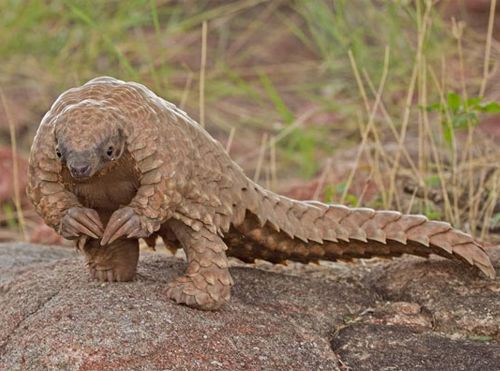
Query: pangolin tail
x,y
276,228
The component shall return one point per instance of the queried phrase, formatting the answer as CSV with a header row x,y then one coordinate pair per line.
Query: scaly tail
x,y
277,228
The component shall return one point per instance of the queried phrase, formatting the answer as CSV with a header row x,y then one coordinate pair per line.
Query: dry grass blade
x,y
373,111
467,154
392,128
422,33
230,139
490,205
15,166
262,154
435,153
454,211
203,65
487,52
322,179
186,90
365,188
274,177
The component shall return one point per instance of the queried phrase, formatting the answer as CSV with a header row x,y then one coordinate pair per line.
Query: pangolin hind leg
x,y
116,262
207,282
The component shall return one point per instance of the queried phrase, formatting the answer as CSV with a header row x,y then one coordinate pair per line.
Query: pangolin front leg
x,y
207,282
79,221
116,262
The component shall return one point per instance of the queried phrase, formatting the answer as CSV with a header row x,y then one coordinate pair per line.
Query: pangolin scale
x,y
112,162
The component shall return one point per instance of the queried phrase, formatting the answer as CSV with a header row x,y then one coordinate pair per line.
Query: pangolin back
x,y
277,228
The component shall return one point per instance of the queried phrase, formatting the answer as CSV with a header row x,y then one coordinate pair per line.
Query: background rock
x,y
403,314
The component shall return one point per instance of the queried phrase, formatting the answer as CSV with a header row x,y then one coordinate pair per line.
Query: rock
x,y
378,347
403,314
16,259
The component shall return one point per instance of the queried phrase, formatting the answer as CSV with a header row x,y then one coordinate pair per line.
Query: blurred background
x,y
386,104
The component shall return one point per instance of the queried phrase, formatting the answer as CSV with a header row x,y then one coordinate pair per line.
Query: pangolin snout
x,y
80,170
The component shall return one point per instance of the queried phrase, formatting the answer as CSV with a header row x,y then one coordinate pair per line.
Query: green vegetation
x,y
460,113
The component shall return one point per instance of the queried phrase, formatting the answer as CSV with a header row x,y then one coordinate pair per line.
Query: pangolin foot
x,y
199,292
110,274
113,263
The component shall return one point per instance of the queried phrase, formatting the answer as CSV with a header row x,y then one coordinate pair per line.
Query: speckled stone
x,y
403,314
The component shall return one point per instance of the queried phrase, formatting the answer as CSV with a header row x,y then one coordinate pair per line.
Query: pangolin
x,y
112,162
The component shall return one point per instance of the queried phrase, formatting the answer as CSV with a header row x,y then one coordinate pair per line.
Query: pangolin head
x,y
88,137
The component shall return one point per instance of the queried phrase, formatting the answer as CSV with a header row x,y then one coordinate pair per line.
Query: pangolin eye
x,y
58,153
109,151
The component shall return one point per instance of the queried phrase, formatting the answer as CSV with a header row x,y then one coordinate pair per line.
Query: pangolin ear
x,y
121,141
